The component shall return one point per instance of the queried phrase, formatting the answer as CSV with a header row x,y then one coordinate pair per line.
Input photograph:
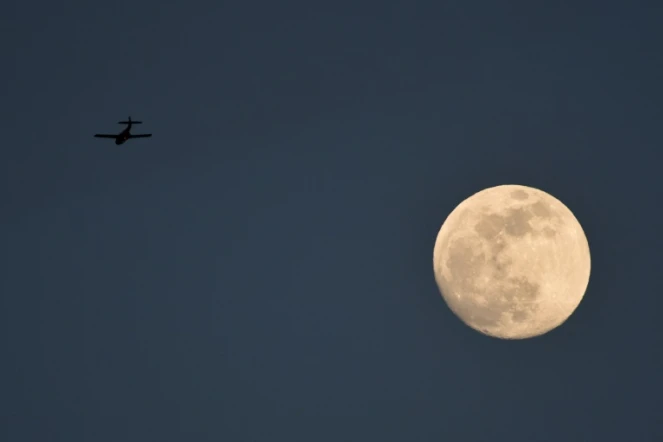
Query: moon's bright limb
x,y
512,262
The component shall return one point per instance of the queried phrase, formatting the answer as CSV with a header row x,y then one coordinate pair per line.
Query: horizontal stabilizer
x,y
140,135
132,122
105,136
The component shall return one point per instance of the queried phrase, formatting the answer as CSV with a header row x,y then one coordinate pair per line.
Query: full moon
x,y
512,262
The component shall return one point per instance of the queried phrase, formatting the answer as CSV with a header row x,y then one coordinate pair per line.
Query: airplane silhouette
x,y
125,134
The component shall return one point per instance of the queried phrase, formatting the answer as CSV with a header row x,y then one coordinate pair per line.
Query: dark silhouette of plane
x,y
125,134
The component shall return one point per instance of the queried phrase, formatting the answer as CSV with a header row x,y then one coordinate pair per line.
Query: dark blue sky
x,y
261,269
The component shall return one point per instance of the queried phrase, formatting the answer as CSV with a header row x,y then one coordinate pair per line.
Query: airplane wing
x,y
105,136
141,136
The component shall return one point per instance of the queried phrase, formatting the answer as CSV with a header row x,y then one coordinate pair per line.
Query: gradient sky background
x,y
261,269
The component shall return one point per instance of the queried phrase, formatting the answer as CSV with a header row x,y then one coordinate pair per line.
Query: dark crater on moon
x,y
516,222
519,194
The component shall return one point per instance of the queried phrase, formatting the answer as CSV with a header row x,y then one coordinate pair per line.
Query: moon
x,y
512,262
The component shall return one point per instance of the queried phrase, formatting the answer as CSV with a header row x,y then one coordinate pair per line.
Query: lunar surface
x,y
512,262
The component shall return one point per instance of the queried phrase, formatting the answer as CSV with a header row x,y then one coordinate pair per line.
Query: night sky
x,y
261,268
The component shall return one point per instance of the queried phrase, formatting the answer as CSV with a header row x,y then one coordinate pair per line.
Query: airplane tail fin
x,y
129,121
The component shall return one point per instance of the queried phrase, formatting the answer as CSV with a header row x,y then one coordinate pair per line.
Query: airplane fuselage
x,y
123,136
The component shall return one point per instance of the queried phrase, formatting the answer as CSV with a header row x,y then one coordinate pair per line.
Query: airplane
x,y
125,134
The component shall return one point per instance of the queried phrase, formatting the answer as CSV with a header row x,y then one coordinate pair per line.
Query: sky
x,y
261,268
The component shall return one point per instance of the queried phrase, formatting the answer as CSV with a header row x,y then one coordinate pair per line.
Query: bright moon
x,y
512,262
